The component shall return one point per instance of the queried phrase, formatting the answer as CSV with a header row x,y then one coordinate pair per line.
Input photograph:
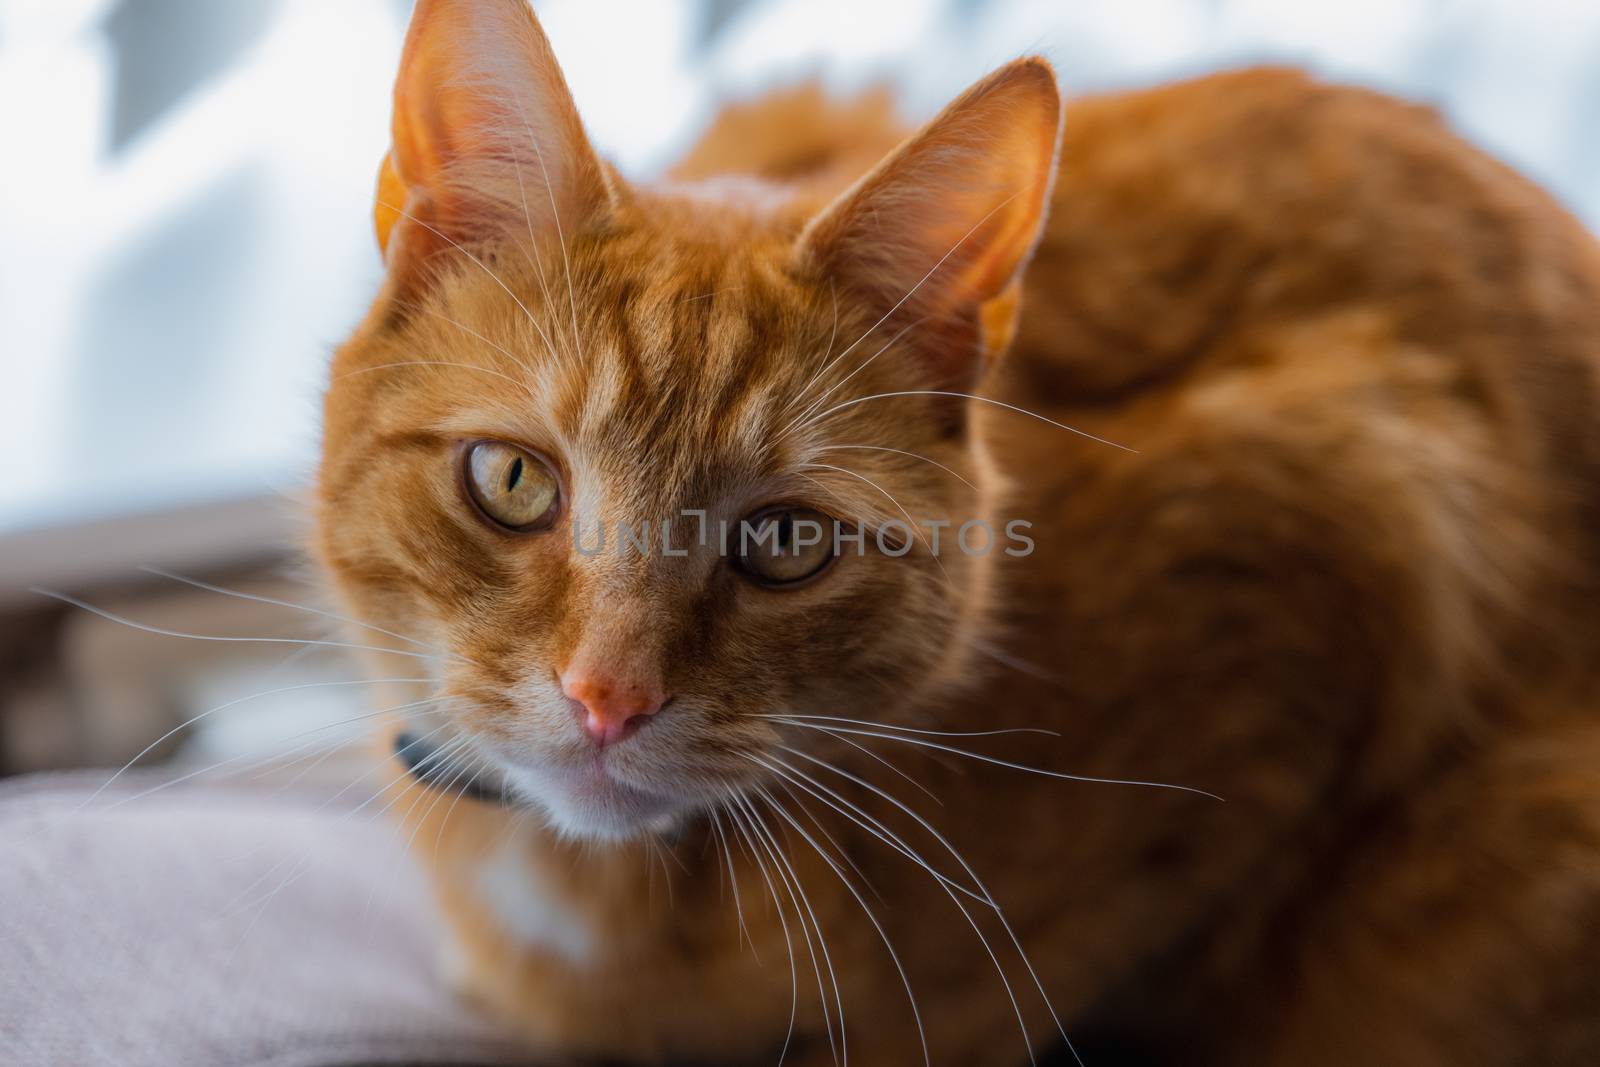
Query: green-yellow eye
x,y
511,485
785,546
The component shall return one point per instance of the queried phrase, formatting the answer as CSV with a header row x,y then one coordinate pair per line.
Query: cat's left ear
x,y
486,139
939,232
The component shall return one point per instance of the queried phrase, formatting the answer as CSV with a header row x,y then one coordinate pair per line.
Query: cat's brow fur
x,y
1343,575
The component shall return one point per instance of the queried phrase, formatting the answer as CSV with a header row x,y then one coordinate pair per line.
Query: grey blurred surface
x,y
216,925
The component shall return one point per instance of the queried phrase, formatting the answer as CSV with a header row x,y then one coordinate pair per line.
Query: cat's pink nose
x,y
609,711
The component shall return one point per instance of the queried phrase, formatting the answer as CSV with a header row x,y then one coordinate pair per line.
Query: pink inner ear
x,y
947,222
486,137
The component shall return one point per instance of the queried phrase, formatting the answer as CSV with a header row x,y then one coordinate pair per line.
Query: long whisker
x,y
375,768
838,849
797,895
441,363
334,745
912,291
947,885
241,595
746,842
1021,666
475,260
328,747
864,819
827,356
533,241
865,751
479,765
1005,924
162,632
1007,763
321,751
273,762
429,763
304,868
256,762
738,903
912,523
911,729
561,239
146,750
657,852
916,1012
863,365
519,360
460,768
325,803
979,399
900,451
240,900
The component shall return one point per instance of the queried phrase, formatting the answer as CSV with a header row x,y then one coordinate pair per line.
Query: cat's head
x,y
561,364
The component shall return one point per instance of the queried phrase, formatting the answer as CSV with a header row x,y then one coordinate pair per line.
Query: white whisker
x,y
430,761
514,357
883,934
912,729
1005,924
827,356
802,905
912,291
981,400
441,363
733,878
466,786
1007,763
161,632
533,247
1021,666
912,523
900,451
865,751
561,239
948,886
863,365
864,819
748,843
146,750
386,760
475,260
839,850
241,595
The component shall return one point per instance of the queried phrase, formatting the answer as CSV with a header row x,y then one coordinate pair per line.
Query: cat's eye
x,y
511,486
784,546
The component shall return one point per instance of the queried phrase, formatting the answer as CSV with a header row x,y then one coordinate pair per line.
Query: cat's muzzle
x,y
421,758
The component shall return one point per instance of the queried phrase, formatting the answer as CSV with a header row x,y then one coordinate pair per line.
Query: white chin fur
x,y
606,812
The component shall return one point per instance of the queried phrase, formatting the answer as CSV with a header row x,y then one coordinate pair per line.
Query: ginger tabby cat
x,y
1282,428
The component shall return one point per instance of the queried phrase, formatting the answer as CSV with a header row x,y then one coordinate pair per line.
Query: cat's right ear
x,y
486,139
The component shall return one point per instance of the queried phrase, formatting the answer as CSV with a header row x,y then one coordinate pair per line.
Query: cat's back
x,y
1188,214
1321,318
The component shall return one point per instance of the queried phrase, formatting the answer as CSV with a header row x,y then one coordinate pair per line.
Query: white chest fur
x,y
511,887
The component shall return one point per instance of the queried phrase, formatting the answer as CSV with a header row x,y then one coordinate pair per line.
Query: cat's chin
x,y
591,804
587,802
